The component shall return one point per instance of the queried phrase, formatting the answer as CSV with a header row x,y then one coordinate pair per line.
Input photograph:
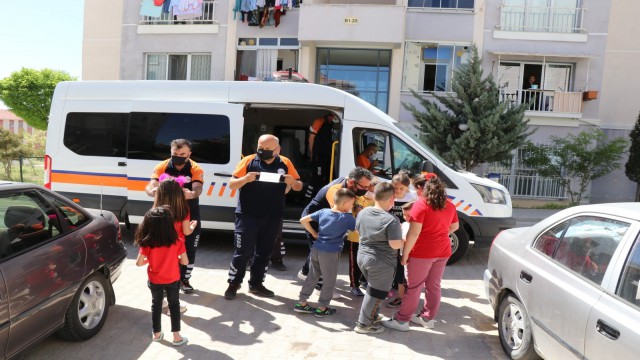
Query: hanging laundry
x,y
148,8
237,8
187,9
158,2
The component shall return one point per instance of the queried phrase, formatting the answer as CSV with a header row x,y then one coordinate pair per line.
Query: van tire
x,y
459,245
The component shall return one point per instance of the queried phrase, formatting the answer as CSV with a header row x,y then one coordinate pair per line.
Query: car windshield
x,y
405,129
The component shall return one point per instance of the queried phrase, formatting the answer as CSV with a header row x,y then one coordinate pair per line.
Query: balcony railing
x,y
207,17
544,100
533,186
542,19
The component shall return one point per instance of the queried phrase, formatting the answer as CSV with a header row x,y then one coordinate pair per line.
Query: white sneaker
x,y
395,324
428,324
302,276
165,307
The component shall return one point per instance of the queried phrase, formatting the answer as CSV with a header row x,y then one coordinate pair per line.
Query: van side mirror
x,y
426,166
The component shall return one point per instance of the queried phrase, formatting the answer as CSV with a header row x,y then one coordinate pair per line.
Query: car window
x,y
25,221
70,215
629,286
588,245
548,241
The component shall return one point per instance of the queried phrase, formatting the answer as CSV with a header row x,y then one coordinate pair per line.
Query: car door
x,y
215,131
559,284
613,328
4,315
40,264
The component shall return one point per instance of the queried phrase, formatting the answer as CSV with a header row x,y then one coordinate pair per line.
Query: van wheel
x,y
514,330
459,245
88,310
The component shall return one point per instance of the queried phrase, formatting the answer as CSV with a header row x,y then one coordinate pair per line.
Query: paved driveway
x,y
250,327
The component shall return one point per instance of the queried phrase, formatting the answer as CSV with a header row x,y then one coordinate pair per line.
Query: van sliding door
x,y
215,131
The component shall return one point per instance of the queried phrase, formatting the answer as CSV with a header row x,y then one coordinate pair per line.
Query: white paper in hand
x,y
269,177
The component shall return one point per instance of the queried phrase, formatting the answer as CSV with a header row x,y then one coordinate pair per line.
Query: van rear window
x,y
151,133
96,134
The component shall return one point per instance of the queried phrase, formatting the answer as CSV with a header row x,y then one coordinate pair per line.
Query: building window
x,y
559,16
429,67
363,73
442,4
178,67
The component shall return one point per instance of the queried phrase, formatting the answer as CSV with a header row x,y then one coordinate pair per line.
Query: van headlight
x,y
491,195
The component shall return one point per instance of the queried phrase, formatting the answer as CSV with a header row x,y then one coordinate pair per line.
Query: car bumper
x,y
490,288
115,268
488,228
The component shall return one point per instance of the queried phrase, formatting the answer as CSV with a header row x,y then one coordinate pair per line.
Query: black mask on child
x,y
265,154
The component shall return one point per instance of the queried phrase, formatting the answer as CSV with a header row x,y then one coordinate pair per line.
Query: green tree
x,y
33,145
632,167
10,149
584,157
28,92
471,126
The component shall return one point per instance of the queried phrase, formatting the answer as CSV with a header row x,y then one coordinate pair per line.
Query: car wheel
x,y
459,245
514,330
88,310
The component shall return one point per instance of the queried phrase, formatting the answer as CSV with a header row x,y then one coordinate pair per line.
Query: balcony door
x,y
562,16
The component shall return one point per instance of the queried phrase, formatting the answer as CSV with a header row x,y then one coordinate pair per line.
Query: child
x,y
333,224
169,193
380,238
401,183
161,250
355,275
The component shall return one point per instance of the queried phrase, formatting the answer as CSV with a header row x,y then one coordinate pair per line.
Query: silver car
x,y
567,287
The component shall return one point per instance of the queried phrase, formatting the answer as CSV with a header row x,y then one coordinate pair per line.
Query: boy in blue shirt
x,y
333,224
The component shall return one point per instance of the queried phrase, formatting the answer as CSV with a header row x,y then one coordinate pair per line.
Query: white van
x,y
104,138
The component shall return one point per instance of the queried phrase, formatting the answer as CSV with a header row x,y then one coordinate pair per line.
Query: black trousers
x,y
278,248
253,235
191,243
173,297
355,274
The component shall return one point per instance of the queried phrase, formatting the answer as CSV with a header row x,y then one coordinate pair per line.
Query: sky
x,y
41,34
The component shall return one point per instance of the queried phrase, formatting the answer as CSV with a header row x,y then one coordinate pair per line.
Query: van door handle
x,y
607,331
222,174
122,163
525,276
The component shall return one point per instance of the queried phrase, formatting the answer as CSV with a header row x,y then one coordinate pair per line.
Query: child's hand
x,y
404,260
193,224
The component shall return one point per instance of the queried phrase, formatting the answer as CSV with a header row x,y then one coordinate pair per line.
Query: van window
x,y
151,133
96,134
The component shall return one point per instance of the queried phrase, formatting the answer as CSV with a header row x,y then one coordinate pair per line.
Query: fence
x,y
24,169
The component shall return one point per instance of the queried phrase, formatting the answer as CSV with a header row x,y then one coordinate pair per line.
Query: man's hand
x,y
188,194
251,177
374,163
289,180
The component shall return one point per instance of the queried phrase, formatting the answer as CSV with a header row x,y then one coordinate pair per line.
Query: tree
x,y
28,92
33,145
495,128
10,149
585,157
632,167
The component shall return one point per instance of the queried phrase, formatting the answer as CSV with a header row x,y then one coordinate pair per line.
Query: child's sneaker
x,y
371,329
429,324
356,292
395,303
395,324
302,276
165,307
322,313
305,309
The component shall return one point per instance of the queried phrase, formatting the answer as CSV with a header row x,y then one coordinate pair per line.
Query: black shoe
x,y
186,287
230,294
278,265
260,290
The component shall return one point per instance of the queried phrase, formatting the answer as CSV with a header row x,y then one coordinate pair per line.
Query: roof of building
x,y
8,115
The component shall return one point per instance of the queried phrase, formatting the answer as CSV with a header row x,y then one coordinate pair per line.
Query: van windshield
x,y
405,128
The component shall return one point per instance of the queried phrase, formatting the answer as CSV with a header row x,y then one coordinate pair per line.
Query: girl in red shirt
x,y
425,255
162,251
169,193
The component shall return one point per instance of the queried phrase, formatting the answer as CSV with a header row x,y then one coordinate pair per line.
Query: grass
x,y
32,171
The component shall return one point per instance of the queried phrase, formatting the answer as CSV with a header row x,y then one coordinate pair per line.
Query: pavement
x,y
267,328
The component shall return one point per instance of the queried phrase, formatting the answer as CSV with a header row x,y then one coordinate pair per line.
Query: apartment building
x,y
379,50
11,122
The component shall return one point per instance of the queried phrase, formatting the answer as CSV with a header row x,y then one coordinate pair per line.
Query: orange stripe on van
x,y
233,192
466,208
224,186
83,179
137,185
210,189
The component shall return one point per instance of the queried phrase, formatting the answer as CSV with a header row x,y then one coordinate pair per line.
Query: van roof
x,y
244,92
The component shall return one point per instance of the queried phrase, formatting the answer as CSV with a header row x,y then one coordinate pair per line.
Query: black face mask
x,y
265,154
360,192
178,160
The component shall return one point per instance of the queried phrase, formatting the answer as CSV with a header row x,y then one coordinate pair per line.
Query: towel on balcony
x,y
148,8
187,9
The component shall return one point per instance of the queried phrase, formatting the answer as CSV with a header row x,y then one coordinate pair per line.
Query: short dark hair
x,y
419,181
407,172
401,179
360,172
179,143
343,195
371,145
383,191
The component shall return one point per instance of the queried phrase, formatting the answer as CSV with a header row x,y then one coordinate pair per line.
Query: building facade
x,y
11,122
578,59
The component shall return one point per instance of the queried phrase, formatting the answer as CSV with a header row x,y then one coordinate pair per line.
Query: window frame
x,y
166,70
450,65
456,8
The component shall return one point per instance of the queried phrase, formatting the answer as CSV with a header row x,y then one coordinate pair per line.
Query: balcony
x,y
368,25
167,23
546,102
541,23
